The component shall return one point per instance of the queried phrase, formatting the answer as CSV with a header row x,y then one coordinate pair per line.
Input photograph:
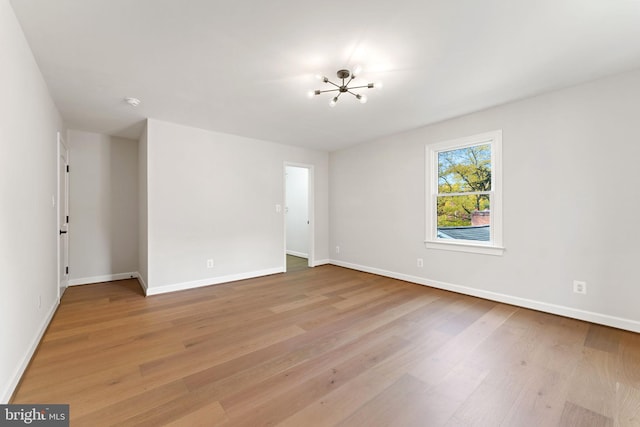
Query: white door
x,y
63,215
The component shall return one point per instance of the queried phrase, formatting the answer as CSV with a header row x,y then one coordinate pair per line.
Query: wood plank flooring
x,y
327,346
296,263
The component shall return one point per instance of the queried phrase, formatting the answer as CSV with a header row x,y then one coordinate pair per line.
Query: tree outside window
x,y
464,186
464,203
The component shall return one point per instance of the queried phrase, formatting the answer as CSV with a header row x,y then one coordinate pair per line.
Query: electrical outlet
x,y
579,287
337,249
209,263
420,262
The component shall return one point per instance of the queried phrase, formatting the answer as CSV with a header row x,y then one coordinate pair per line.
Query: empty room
x,y
332,214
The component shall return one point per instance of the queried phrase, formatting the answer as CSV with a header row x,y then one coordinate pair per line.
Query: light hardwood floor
x,y
295,263
327,346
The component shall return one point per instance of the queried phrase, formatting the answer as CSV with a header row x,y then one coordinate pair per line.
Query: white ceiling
x,y
245,67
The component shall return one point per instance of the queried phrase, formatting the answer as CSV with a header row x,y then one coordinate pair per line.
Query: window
x,y
464,194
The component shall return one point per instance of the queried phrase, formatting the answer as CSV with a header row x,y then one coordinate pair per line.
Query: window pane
x,y
464,217
465,169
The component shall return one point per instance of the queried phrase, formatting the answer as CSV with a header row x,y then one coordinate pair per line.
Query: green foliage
x,y
456,210
464,170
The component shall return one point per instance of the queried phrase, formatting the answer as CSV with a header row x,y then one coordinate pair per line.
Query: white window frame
x,y
494,246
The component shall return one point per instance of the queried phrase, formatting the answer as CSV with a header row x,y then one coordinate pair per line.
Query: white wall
x,y
570,205
213,196
143,252
297,212
28,182
103,207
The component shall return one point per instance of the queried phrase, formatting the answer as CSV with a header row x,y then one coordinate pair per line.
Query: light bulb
x,y
310,94
134,102
333,102
356,71
362,99
378,85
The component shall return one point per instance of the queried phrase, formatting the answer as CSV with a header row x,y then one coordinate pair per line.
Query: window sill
x,y
465,247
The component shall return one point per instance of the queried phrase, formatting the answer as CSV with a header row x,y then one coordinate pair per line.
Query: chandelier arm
x,y
334,100
354,94
360,87
329,90
336,85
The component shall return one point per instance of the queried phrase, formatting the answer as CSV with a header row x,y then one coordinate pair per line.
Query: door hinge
x,y
66,270
67,219
67,168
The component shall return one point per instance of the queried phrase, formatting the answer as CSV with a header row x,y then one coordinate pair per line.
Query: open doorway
x,y
63,216
298,216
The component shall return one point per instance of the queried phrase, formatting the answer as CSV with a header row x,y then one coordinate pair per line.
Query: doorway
x,y
298,216
63,216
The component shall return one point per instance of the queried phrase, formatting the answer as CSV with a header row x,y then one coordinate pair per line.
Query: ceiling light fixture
x,y
347,77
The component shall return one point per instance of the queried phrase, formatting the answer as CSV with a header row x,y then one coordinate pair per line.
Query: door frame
x,y
61,147
311,210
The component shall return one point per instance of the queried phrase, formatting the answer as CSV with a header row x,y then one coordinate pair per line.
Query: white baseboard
x,y
298,254
321,262
589,316
103,278
211,281
7,392
143,284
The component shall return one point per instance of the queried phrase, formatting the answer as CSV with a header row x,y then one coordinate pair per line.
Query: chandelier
x,y
347,77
